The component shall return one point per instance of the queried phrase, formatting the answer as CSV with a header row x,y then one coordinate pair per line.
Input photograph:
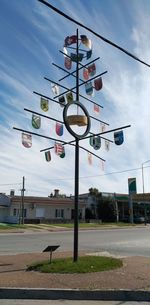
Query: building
x,y
141,204
31,209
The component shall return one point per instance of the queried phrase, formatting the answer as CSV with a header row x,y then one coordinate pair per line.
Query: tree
x,y
95,194
106,210
93,191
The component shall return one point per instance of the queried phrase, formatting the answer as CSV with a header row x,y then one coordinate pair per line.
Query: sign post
x,y
132,190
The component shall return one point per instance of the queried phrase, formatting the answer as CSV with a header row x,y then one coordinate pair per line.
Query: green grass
x,y
17,226
85,264
64,225
88,225
11,226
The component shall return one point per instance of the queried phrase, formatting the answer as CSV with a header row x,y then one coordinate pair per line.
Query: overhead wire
x,y
93,32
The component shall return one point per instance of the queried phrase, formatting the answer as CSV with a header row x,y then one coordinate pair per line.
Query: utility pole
x,y
22,200
116,208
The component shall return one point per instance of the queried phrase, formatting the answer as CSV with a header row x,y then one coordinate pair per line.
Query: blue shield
x,y
118,137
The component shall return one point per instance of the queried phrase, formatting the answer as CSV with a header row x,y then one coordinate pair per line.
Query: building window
x,y
15,212
59,213
25,212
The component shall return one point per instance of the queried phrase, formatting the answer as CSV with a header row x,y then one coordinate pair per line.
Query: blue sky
x,y
31,36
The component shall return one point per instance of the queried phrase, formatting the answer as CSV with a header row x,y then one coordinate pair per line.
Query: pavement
x,y
128,285
66,302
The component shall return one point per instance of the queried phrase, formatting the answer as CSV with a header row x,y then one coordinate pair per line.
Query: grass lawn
x,y
11,226
64,225
85,264
17,226
88,225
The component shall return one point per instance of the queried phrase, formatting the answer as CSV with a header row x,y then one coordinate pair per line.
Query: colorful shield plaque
x,y
89,88
92,69
90,158
87,42
118,137
103,127
70,40
44,104
62,101
36,121
26,140
59,129
88,54
95,142
48,156
98,84
107,145
69,97
75,58
68,63
59,149
96,108
85,73
55,89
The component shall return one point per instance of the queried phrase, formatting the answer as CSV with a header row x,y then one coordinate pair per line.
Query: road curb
x,y
74,294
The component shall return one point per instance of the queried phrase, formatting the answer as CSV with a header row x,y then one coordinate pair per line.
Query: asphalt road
x,y
121,242
67,302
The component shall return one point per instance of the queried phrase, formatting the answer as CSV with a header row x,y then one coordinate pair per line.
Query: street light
x,y
145,212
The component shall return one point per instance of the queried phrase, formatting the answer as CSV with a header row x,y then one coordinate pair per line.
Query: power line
x,y
94,33
10,184
106,174
92,176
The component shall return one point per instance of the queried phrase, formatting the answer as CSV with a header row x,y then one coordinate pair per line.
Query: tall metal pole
x,y
22,199
76,198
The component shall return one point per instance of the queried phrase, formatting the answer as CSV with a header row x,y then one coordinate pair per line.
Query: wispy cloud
x,y
125,96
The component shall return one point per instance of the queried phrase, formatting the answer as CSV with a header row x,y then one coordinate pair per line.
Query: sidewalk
x,y
135,274
20,287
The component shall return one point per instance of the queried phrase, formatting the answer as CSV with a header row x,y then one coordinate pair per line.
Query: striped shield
x,y
59,129
59,149
48,156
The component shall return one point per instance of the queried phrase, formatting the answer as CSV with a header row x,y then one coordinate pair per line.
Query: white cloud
x,y
125,97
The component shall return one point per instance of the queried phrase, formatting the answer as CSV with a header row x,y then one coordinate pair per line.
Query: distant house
x,y
39,209
4,207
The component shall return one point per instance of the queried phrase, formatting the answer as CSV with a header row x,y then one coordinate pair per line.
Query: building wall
x,y
48,209
6,217
3,213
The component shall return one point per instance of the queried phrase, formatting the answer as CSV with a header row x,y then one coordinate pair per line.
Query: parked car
x,y
139,219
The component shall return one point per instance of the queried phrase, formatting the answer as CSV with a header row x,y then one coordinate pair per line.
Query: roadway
x,y
120,242
68,302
